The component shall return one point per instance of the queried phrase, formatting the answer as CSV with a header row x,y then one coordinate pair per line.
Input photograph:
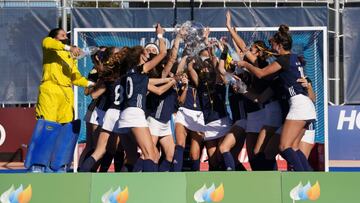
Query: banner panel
x,y
230,187
136,187
45,188
344,136
320,187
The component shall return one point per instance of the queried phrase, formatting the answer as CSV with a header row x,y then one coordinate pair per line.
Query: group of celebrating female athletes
x,y
216,102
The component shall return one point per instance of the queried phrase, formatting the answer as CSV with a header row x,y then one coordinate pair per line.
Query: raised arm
x,y
260,73
162,50
50,43
181,65
221,66
173,57
237,39
193,75
238,50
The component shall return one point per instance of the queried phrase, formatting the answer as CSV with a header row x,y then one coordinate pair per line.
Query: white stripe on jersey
x,y
138,101
291,91
159,109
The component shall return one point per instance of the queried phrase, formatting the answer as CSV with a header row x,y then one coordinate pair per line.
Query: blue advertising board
x,y
344,136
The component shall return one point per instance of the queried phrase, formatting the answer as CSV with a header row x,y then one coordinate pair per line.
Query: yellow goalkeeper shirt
x,y
58,66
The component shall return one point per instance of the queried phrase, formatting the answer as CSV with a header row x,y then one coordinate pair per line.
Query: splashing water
x,y
192,34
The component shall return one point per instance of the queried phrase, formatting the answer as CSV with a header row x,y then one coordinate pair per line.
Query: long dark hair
x,y
54,32
132,59
113,66
263,49
283,37
157,71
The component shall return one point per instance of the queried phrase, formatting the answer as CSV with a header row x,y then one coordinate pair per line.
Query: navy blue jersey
x,y
114,94
93,76
100,102
255,86
258,85
212,100
162,107
192,99
291,70
237,106
136,89
277,88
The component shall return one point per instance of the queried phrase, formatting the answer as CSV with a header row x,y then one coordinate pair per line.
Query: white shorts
x,y
217,129
111,120
309,137
273,114
158,128
255,121
301,108
191,119
132,117
97,117
241,123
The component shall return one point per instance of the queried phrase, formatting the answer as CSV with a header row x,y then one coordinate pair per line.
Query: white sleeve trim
x,y
90,83
67,47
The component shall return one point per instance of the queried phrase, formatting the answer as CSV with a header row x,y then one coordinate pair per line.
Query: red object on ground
x,y
16,127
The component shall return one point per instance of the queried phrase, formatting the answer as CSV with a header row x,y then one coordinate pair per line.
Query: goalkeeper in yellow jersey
x,y
55,134
56,98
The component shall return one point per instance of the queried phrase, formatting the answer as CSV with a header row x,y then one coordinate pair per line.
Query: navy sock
x,y
149,166
105,162
165,166
195,165
229,161
129,167
270,164
303,160
178,158
87,164
138,167
95,167
292,159
257,163
118,161
87,155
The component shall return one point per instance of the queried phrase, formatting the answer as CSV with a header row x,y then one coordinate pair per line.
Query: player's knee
x,y
223,148
283,146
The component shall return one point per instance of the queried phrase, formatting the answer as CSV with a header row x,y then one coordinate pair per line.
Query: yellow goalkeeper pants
x,y
55,103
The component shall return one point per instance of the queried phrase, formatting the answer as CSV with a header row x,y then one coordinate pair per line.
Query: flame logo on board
x,y
306,192
18,195
117,196
210,194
